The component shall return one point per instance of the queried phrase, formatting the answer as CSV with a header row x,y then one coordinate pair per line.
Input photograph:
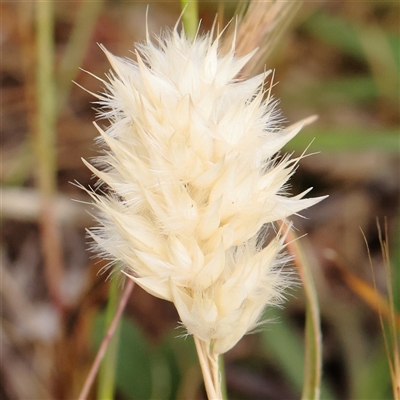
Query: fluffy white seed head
x,y
189,163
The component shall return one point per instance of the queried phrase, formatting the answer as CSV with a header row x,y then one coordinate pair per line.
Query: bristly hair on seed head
x,y
189,159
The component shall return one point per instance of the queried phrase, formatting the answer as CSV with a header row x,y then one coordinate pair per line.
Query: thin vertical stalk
x,y
104,344
190,17
210,369
44,143
221,369
45,92
106,382
23,160
390,334
313,339
76,48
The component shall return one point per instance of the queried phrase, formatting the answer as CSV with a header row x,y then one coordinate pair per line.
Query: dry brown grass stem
x,y
391,333
260,26
367,292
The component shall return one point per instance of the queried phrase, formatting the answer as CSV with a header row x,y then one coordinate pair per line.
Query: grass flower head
x,y
190,165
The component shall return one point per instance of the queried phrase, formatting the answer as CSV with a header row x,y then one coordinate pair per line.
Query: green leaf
x,y
133,378
285,347
280,340
134,372
336,32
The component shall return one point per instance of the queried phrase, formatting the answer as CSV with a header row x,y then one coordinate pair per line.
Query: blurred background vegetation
x,y
339,60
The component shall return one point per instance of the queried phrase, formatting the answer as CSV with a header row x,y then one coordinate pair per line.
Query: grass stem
x,y
313,336
190,17
106,381
76,48
44,144
210,369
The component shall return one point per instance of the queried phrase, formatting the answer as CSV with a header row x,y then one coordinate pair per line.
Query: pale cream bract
x,y
189,162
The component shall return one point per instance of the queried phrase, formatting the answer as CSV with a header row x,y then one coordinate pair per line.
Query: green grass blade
x,y
76,48
106,381
45,138
332,140
190,17
345,35
313,348
360,90
313,336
